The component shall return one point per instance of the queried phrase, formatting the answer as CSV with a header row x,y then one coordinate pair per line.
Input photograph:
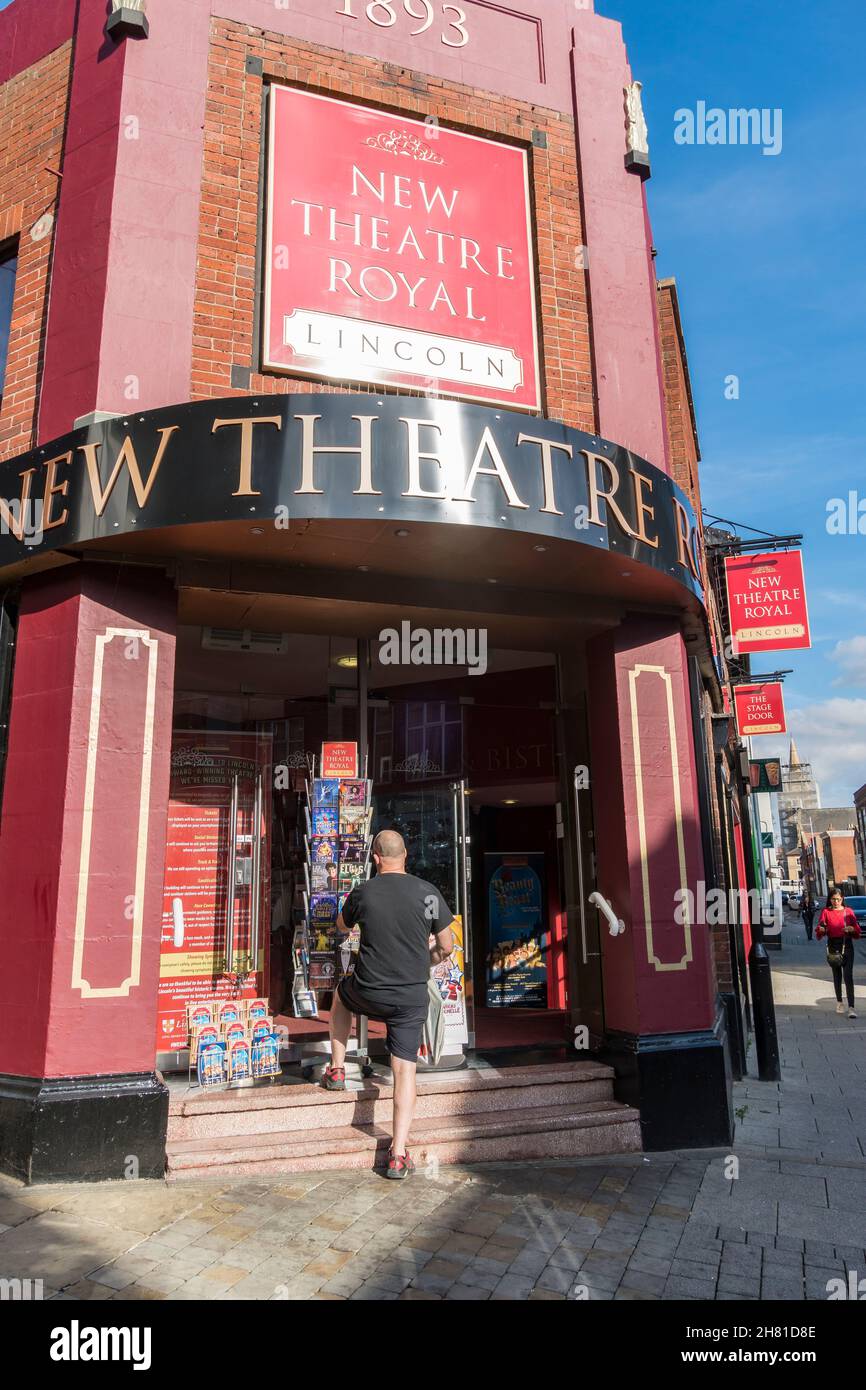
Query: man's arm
x,y
441,939
441,945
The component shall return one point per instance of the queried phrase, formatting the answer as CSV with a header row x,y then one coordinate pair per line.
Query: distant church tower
x,y
799,793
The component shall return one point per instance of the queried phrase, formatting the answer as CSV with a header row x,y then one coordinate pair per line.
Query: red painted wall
x,y
48,1026
83,248
31,29
649,985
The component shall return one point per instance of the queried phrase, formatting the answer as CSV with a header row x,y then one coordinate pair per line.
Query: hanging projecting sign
x,y
767,602
760,709
765,775
404,257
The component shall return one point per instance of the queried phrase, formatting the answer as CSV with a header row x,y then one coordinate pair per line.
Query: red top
x,y
833,921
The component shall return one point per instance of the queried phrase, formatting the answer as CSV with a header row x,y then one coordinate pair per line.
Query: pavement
x,y
780,1216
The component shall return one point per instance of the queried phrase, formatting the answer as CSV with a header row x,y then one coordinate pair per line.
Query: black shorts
x,y
403,1011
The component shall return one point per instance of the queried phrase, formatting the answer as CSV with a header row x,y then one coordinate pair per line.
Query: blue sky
x,y
768,256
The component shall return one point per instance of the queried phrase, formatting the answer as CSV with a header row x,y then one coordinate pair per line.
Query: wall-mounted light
x,y
127,20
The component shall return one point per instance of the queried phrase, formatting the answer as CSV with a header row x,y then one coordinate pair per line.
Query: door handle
x,y
177,917
617,925
256,903
230,897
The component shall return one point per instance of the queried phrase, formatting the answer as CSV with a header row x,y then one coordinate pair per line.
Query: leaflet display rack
x,y
335,823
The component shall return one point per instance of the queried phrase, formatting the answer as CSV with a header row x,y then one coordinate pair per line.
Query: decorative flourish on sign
x,y
397,143
299,759
419,764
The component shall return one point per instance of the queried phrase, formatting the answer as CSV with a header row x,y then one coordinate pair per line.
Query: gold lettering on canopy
x,y
53,488
684,539
488,445
640,481
17,525
416,454
247,424
364,450
126,456
596,493
547,447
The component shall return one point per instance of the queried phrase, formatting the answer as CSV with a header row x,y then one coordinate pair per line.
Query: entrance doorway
x,y
465,766
494,736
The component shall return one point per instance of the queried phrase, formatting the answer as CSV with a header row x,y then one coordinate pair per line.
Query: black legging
x,y
846,969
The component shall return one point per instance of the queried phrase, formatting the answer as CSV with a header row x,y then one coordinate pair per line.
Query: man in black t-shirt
x,y
405,929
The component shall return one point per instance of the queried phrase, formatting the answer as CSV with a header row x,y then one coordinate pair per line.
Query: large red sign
x,y
760,709
398,252
767,602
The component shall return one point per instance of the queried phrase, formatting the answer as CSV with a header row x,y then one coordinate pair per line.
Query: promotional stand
x,y
337,841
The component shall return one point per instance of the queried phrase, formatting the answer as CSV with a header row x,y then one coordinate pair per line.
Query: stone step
x,y
304,1107
560,1131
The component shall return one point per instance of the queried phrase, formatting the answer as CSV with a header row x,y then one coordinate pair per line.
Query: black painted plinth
x,y
680,1082
83,1128
127,23
637,162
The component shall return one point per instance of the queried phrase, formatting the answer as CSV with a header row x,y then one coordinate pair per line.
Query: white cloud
x,y
850,656
831,735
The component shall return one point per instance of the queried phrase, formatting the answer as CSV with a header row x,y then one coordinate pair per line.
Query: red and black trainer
x,y
334,1078
400,1166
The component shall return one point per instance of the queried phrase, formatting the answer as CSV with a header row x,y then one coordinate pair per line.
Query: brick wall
x,y
32,120
226,279
840,857
682,438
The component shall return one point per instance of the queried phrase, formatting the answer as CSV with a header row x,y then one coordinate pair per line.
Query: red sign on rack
x,y
760,709
339,760
767,602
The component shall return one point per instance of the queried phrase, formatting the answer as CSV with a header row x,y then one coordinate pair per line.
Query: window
x,y
8,269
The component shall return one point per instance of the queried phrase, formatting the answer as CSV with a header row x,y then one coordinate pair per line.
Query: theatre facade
x,y
341,405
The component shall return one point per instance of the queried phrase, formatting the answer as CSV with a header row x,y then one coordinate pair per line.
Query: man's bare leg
x,y
404,1101
340,1028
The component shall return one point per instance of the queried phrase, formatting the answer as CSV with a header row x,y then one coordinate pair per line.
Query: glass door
x,y
433,821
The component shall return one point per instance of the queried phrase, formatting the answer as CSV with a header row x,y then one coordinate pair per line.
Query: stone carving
x,y
638,136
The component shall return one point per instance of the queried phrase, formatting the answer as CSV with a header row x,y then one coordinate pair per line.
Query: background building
x,y
799,793
830,855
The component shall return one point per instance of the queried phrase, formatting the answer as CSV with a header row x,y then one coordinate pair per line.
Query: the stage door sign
x,y
760,709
